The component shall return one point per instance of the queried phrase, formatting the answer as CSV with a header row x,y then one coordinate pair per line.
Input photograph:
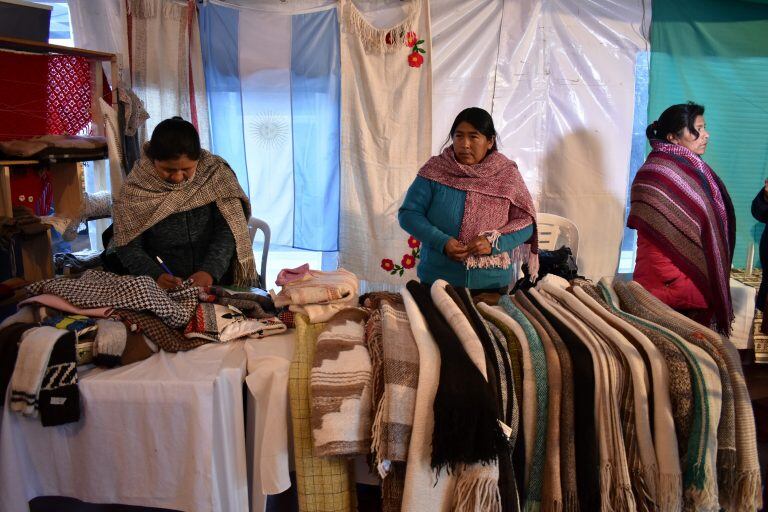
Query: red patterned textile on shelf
x,y
69,94
43,94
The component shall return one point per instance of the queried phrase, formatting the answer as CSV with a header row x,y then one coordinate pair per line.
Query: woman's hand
x,y
480,246
167,281
456,250
201,278
533,267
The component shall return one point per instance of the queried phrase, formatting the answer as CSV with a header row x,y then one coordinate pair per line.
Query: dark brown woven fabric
x,y
153,328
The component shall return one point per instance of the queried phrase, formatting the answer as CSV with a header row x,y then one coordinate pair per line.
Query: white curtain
x,y
564,104
165,50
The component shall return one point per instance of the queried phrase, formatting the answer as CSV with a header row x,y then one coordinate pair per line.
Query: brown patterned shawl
x,y
146,199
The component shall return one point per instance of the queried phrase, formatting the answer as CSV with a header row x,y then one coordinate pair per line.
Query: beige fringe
x,y
375,39
245,273
477,489
501,260
377,440
706,499
605,488
748,491
570,502
532,506
645,487
670,492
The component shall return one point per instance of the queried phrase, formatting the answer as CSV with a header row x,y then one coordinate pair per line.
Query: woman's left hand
x,y
533,267
201,278
480,246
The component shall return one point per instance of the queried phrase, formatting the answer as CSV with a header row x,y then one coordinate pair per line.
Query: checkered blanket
x,y
96,289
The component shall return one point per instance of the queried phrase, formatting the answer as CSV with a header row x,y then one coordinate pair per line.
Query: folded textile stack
x,y
220,323
250,303
316,294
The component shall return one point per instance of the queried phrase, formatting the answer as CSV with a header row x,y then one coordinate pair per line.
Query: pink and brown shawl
x,y
497,198
679,202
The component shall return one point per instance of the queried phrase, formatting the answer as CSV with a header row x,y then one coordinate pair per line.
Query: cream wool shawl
x,y
669,483
640,386
528,407
615,491
536,462
146,199
474,482
551,490
423,489
700,474
745,494
726,428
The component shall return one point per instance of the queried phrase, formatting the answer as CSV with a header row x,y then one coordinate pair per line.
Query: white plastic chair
x,y
556,231
254,225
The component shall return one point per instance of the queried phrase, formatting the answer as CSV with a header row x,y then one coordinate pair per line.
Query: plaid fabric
x,y
95,289
170,340
322,484
145,200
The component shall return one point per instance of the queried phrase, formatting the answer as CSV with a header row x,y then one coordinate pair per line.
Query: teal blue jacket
x,y
432,213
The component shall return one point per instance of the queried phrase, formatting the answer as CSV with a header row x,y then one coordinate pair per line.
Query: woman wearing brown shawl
x,y
181,214
686,227
470,208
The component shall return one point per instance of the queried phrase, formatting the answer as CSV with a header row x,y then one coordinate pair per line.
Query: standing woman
x,y
686,227
470,208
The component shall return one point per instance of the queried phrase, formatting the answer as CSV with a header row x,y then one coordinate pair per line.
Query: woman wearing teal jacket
x,y
470,208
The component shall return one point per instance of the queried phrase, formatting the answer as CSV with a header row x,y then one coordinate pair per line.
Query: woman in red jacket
x,y
684,220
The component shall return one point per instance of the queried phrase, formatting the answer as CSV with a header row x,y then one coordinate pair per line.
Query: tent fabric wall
x,y
563,104
716,54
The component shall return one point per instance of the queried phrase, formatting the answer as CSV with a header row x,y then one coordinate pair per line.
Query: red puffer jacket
x,y
656,272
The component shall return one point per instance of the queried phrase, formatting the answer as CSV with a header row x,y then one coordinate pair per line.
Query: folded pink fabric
x,y
56,302
289,275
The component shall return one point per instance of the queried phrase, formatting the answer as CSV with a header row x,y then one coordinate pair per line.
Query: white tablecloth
x,y
743,298
164,432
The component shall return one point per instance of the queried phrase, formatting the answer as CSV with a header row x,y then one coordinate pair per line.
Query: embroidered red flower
x,y
411,39
409,261
415,60
413,243
387,264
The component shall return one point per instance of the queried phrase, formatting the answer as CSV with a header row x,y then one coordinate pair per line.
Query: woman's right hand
x,y
456,250
167,281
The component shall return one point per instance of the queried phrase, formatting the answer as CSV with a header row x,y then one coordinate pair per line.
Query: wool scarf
x,y
146,199
743,491
340,386
497,200
10,336
641,454
644,306
679,202
615,488
30,368
551,489
323,484
534,463
424,489
700,457
668,478
59,398
495,345
567,439
585,430
466,431
478,484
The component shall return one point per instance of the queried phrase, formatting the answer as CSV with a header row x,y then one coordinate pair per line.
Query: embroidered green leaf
x,y
421,51
420,41
401,271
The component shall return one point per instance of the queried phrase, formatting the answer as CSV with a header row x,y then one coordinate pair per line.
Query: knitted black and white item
x,y
110,342
59,399
30,368
9,350
96,289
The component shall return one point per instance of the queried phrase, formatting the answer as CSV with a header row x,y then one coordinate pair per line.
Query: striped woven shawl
x,y
680,203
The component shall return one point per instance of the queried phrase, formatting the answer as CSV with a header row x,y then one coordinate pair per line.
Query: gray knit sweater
x,y
188,242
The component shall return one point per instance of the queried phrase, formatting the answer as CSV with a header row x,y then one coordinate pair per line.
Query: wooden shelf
x,y
45,48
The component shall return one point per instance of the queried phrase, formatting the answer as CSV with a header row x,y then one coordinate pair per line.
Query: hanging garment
x,y
322,484
386,74
533,491
425,488
340,385
96,289
700,457
669,480
741,486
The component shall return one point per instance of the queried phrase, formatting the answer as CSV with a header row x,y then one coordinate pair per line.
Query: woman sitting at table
x,y
182,215
686,227
470,208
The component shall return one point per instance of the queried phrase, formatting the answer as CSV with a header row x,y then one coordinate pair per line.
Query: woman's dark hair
x,y
673,120
173,138
480,119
